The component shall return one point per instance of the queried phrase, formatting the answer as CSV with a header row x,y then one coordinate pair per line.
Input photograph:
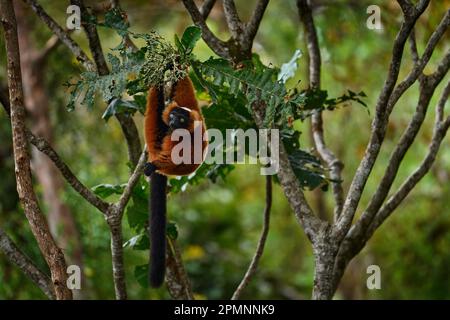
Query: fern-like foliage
x,y
258,84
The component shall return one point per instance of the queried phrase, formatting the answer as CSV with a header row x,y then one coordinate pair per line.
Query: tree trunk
x,y
60,219
52,253
325,252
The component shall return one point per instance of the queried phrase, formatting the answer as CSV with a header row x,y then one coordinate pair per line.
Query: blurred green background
x,y
219,224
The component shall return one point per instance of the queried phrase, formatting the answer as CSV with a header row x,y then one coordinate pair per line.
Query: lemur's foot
x,y
149,168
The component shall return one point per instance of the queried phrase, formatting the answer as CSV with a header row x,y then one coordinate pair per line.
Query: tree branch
x,y
428,85
413,47
131,135
261,243
94,40
379,125
439,133
177,280
442,102
358,236
115,227
44,146
127,124
62,35
52,254
217,45
291,187
232,18
206,8
396,158
253,26
17,257
325,153
361,232
420,64
132,181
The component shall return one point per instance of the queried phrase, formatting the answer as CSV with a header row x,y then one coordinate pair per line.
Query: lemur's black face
x,y
179,118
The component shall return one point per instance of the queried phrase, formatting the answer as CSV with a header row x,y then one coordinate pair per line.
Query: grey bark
x,y
52,254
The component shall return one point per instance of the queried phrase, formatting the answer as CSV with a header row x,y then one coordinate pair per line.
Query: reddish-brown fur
x,y
160,151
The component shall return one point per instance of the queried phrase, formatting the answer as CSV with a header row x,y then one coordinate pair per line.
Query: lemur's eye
x,y
181,120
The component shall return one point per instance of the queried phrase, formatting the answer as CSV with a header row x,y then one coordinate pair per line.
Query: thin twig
x,y
17,257
441,104
438,135
44,146
132,181
261,243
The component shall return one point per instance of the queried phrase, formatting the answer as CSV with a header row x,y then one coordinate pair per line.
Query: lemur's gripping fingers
x,y
149,168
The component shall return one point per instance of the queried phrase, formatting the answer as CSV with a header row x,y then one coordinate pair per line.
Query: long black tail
x,y
157,206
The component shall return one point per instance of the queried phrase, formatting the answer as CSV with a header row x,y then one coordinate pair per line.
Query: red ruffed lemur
x,y
161,119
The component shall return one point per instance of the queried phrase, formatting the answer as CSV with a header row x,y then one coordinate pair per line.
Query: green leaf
x,y
228,112
190,37
106,190
141,275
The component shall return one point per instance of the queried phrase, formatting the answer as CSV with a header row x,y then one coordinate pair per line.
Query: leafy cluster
x,y
133,70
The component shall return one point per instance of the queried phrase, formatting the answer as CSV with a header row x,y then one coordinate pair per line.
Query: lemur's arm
x,y
184,94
